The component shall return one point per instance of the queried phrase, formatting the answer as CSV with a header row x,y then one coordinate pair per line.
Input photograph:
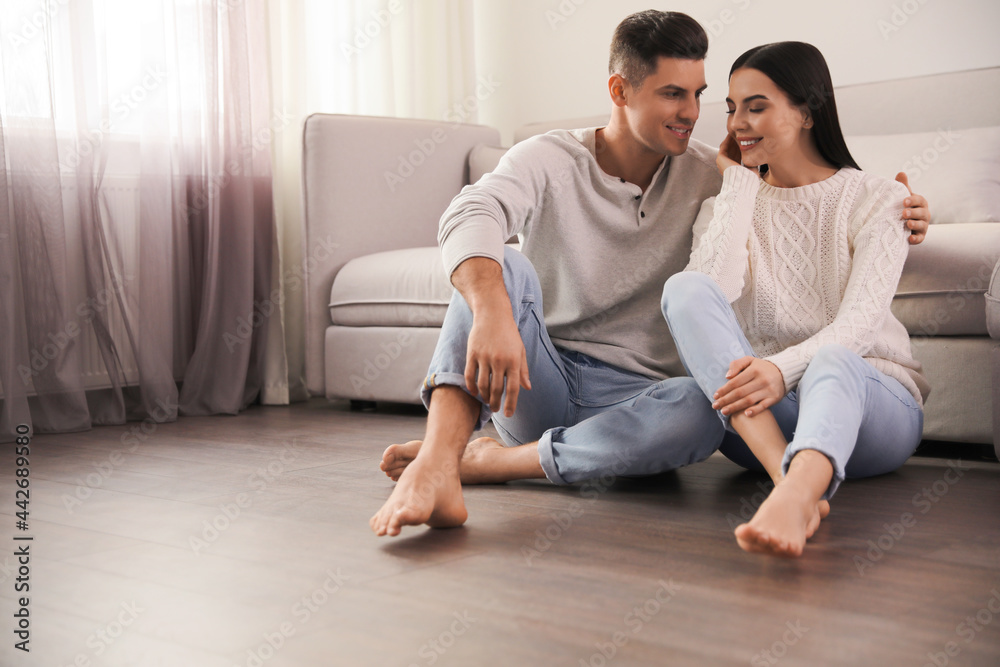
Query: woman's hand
x,y
754,385
729,154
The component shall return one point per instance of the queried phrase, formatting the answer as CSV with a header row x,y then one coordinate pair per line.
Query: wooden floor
x,y
244,541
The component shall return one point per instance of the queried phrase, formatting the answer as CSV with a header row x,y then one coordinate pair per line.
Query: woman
x,y
783,316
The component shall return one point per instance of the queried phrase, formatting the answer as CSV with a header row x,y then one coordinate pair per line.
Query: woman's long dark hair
x,y
800,70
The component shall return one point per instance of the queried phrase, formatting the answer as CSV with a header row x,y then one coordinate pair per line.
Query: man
x,y
590,383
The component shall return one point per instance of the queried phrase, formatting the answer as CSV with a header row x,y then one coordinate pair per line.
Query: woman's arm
x,y
721,252
880,249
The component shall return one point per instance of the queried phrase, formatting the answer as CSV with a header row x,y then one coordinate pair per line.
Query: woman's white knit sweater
x,y
810,266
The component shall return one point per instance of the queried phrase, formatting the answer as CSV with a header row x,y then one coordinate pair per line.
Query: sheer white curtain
x,y
136,215
403,58
150,223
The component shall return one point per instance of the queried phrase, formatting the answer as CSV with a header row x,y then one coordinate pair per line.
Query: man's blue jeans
x,y
864,421
590,419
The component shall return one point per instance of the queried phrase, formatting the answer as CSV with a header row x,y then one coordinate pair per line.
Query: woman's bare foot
x,y
822,508
784,521
485,461
428,491
822,511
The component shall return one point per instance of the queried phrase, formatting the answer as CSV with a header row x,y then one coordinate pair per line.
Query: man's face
x,y
662,113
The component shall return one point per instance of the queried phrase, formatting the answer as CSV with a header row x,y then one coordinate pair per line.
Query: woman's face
x,y
765,124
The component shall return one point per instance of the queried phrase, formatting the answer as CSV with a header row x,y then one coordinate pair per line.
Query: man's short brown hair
x,y
643,37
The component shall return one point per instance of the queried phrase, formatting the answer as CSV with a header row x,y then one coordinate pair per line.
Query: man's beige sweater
x,y
602,248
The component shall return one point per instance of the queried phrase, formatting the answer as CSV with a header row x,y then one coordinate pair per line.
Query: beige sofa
x,y
377,187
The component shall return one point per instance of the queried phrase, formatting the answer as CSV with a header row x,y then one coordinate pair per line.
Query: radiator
x,y
119,202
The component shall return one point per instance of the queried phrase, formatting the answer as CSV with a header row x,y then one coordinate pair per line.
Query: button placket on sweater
x,y
638,198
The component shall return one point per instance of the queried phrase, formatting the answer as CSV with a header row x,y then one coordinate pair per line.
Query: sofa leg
x,y
363,406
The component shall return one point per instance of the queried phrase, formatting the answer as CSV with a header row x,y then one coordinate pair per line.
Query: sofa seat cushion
x,y
398,288
943,286
942,291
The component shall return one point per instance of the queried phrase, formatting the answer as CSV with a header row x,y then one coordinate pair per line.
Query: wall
x,y
549,57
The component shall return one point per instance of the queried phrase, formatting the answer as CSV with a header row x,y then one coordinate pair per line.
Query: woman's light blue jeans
x,y
590,419
864,421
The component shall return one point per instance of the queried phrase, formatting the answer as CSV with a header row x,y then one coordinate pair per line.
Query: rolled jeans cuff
x,y
435,380
839,475
547,458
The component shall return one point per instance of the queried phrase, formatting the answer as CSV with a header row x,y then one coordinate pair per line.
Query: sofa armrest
x,y
369,185
993,304
993,326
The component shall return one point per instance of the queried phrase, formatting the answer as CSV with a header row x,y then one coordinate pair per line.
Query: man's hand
x,y
754,385
917,214
495,355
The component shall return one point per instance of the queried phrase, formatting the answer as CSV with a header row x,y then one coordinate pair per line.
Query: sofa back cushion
x,y
483,159
958,171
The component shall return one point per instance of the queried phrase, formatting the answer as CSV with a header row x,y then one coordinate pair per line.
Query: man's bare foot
x,y
485,461
428,491
395,458
783,522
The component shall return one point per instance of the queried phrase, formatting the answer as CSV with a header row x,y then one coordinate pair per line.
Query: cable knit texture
x,y
810,266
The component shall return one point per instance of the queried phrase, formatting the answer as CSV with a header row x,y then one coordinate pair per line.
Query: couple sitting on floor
x,y
763,269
